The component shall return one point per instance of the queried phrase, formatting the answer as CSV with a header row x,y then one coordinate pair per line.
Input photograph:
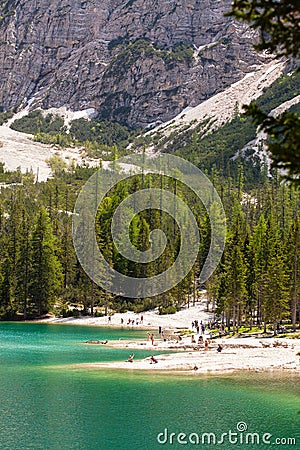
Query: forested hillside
x,y
257,281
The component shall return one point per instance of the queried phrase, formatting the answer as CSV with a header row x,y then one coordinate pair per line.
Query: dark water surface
x,y
46,404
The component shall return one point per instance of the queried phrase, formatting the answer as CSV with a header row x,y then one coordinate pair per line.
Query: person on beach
x,y
148,336
109,319
163,335
142,318
193,339
130,359
200,339
152,339
122,321
220,348
205,345
153,360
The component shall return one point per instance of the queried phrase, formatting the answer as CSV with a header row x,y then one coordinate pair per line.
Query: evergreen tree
x,y
235,271
6,293
293,264
23,265
275,284
46,271
257,265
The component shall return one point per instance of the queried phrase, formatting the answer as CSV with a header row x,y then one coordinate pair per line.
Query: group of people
x,y
201,340
133,322
206,343
150,337
153,360
199,326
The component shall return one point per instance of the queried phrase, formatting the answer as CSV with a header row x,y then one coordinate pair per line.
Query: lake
x,y
46,403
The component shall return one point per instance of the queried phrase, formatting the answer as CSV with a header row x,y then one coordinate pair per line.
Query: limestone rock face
x,y
135,61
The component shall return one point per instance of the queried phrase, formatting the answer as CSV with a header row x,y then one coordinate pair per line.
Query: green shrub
x,y
35,123
168,310
4,116
100,132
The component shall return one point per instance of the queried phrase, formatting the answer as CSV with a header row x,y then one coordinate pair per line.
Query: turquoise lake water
x,y
46,403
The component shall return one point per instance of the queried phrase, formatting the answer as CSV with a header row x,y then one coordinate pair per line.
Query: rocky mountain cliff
x,y
133,61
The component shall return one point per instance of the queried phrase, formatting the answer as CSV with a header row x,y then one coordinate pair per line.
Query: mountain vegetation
x,y
257,282
99,138
226,149
278,26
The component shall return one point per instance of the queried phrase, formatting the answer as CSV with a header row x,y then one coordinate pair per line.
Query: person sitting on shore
x,y
193,339
130,359
153,360
200,340
206,345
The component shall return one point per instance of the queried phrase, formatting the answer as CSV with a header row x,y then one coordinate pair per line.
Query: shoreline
x,y
237,355
190,371
151,319
251,354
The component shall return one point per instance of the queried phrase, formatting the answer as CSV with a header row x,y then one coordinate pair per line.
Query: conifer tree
x,y
235,271
257,264
23,264
275,284
46,271
293,262
6,293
